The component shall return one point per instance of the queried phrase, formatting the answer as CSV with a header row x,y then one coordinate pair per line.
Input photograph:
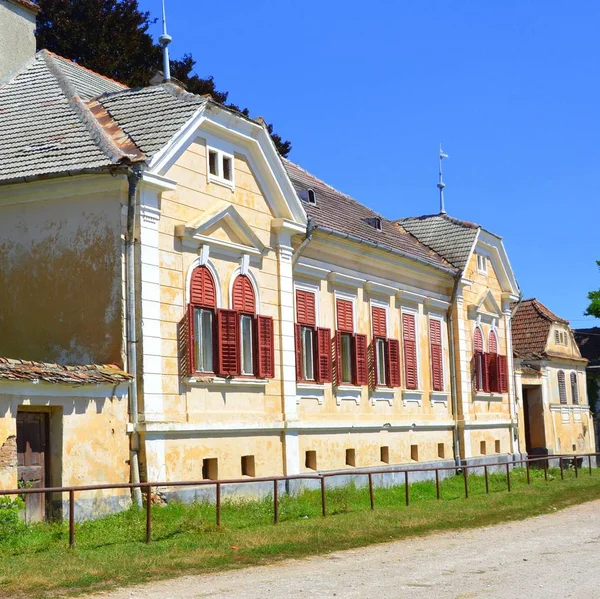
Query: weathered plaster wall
x,y
88,442
61,272
17,42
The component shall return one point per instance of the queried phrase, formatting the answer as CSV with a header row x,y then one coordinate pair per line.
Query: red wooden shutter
x,y
345,316
305,308
191,331
323,355
361,372
493,343
502,374
243,298
393,354
379,322
266,349
477,340
298,344
493,377
437,365
338,358
410,351
487,364
228,336
202,288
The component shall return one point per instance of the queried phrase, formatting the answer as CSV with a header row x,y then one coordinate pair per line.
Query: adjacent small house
x,y
550,377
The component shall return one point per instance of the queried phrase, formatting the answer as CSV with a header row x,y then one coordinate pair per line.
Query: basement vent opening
x,y
497,445
310,460
441,451
384,454
414,453
248,468
210,469
482,448
350,457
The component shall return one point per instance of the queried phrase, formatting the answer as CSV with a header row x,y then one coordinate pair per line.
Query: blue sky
x,y
366,91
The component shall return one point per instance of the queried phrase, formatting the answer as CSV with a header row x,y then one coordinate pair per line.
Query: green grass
x,y
36,562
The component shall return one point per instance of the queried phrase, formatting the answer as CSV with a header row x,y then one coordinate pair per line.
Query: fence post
x,y
148,514
575,466
275,501
508,476
466,478
406,491
71,518
487,482
528,473
590,464
371,496
323,502
437,483
562,471
546,468
218,504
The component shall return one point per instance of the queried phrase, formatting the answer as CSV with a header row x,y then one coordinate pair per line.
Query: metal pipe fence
x,y
369,472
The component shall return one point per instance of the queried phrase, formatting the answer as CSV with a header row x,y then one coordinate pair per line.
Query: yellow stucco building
x,y
223,312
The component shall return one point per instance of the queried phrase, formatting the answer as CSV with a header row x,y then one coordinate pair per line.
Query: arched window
x,y
562,387
479,360
243,301
202,306
574,388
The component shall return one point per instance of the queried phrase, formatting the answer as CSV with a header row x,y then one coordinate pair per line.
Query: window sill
x,y
383,394
217,381
483,396
439,397
412,396
309,386
347,393
223,182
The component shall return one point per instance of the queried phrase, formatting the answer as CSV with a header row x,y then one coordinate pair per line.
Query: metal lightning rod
x,y
164,40
441,183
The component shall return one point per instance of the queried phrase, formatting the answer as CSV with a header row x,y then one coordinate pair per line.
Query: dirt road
x,y
552,556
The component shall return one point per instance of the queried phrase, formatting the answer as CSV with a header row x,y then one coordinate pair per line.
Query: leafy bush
x,y
9,514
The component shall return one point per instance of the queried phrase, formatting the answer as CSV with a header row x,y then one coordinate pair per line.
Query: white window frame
x,y
350,298
415,313
442,322
375,303
482,261
198,328
242,345
218,178
314,289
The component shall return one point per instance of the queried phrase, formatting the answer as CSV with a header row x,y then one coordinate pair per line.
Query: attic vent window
x,y
312,198
482,264
220,167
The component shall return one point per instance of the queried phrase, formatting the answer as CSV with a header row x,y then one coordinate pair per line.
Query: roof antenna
x,y
164,40
441,183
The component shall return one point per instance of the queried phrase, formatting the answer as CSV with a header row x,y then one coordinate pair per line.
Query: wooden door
x,y
32,456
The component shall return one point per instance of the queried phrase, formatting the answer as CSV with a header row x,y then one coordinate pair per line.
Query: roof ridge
x,y
349,197
99,136
80,66
457,221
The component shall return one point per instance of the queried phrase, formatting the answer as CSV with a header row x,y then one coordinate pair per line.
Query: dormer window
x,y
482,264
374,222
312,198
561,338
220,167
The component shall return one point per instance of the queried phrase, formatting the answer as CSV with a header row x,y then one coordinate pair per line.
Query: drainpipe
x,y
309,231
133,178
513,405
453,389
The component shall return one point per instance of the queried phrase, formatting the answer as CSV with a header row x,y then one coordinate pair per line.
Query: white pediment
x,y
486,307
221,227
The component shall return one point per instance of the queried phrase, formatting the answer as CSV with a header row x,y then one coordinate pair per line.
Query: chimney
x,y
17,33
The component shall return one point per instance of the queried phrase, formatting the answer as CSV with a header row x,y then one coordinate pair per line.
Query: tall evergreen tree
x,y
111,37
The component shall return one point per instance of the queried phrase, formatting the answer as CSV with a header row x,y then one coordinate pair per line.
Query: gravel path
x,y
551,556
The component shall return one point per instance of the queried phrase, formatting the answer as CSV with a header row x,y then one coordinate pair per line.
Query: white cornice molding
x,y
158,182
59,390
380,289
287,226
347,280
408,296
308,270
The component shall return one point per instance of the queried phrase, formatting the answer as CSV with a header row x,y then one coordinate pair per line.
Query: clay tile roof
x,y
94,374
531,327
32,6
339,212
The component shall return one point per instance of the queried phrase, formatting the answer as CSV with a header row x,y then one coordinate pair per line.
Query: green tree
x,y
111,37
594,296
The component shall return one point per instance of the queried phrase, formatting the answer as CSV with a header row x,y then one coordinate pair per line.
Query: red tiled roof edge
x,y
32,6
